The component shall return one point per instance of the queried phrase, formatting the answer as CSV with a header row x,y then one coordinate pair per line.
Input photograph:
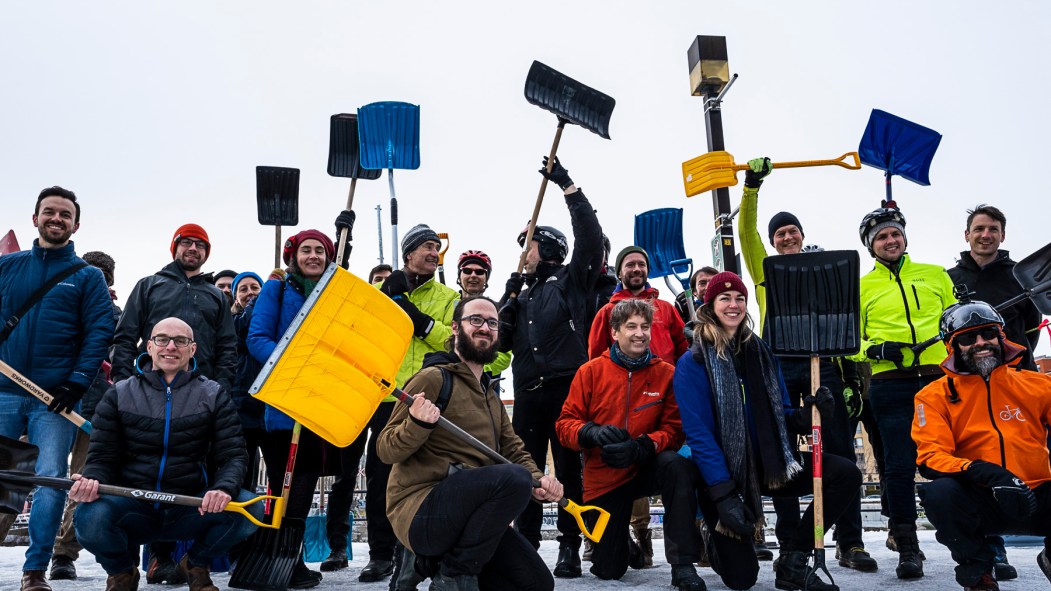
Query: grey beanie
x,y
416,236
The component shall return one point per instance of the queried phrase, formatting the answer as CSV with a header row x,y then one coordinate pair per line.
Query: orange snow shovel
x,y
716,170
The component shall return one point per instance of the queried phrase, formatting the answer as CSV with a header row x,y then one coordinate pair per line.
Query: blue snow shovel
x,y
898,147
389,136
659,233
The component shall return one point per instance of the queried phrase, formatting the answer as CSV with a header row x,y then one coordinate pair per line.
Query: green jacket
x,y
437,301
903,305
753,251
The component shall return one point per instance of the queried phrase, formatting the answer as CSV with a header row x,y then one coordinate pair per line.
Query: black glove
x,y
627,453
514,284
891,351
758,169
508,321
345,220
593,435
558,174
826,404
733,513
65,397
1015,498
421,323
395,284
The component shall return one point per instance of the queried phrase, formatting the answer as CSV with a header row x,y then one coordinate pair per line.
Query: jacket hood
x,y
439,358
1012,354
647,293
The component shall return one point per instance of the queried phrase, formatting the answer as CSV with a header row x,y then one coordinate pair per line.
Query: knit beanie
x,y
240,276
191,231
625,252
725,281
416,236
780,220
874,230
292,244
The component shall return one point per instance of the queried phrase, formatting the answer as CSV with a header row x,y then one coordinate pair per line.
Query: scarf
x,y
750,380
626,362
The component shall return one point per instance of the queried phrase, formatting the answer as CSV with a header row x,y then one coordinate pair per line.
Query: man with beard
x,y
179,290
981,437
449,503
544,326
58,344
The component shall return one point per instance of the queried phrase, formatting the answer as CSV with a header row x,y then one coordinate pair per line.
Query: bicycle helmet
x,y
553,244
478,257
878,219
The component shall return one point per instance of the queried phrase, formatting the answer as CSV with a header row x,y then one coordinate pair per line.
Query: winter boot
x,y
910,565
762,553
197,577
161,569
568,564
376,570
337,560
443,582
985,583
1001,568
1044,563
405,577
125,581
644,536
62,569
303,577
857,558
684,577
792,574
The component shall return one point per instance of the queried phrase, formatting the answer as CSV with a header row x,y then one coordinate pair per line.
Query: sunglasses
x,y
988,333
472,271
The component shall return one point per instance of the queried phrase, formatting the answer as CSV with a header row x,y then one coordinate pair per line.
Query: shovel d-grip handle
x,y
577,511
42,395
444,237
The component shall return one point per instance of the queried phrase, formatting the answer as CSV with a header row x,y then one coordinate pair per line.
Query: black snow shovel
x,y
571,102
813,305
277,201
344,160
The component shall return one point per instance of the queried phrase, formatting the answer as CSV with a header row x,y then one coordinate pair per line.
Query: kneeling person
x,y
162,430
622,413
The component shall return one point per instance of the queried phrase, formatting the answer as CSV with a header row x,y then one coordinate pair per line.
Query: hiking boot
x,y
337,560
985,583
125,581
405,577
62,569
644,536
161,569
568,564
33,580
910,565
1044,563
589,547
303,577
1001,569
443,582
893,547
856,558
199,578
793,574
376,570
684,577
636,559
762,552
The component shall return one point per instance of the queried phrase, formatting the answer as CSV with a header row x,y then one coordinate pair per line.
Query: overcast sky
x,y
156,115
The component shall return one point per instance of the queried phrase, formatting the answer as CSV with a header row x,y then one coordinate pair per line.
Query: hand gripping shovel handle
x,y
577,511
540,195
42,395
147,495
841,161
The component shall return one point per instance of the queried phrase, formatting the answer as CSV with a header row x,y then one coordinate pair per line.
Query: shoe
x,y
303,577
568,564
337,560
762,552
199,578
33,580
1002,570
910,565
162,569
986,583
645,539
684,577
376,570
636,559
793,574
893,547
589,547
62,569
405,577
856,558
443,582
125,581
1044,564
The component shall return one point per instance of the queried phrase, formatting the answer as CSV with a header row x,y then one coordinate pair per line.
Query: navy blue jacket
x,y
65,336
275,308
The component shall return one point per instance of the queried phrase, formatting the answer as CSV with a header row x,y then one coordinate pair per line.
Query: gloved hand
x,y
594,435
395,284
758,169
733,513
345,220
892,351
558,174
826,404
628,453
514,284
421,323
1015,498
508,321
65,397
853,402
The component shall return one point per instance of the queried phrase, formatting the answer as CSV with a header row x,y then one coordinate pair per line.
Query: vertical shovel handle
x,y
540,196
345,231
42,395
816,450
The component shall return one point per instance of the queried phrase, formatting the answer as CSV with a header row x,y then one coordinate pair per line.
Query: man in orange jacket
x,y
981,438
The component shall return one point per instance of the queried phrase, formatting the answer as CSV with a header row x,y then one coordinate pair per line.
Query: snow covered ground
x,y
938,568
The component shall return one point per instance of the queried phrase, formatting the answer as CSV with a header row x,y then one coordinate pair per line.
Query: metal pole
x,y
379,229
713,121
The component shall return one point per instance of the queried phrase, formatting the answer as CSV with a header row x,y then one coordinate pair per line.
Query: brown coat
x,y
421,456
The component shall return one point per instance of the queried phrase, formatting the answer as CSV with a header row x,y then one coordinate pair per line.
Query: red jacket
x,y
667,334
642,402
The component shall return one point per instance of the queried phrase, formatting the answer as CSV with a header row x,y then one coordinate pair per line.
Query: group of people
x,y
633,395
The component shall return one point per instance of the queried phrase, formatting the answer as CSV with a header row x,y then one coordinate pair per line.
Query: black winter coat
x,y
146,435
994,284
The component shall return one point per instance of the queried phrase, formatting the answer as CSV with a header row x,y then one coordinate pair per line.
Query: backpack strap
x,y
446,392
38,295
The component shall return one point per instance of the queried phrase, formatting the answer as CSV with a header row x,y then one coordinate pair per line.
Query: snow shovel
x,y
898,147
389,135
571,102
344,161
21,457
716,170
42,395
277,201
659,233
441,255
813,306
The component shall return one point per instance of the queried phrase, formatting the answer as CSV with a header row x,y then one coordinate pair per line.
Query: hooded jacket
x,y
667,333
642,402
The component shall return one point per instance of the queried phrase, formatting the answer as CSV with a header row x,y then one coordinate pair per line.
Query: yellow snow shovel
x,y
716,170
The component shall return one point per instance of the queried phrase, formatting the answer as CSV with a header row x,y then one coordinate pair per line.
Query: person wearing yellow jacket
x,y
901,304
980,433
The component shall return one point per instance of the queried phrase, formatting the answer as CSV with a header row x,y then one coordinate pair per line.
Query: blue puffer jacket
x,y
275,308
65,336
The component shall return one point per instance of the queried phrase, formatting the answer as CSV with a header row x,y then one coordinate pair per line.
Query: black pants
x,y
309,462
735,559
677,480
253,441
341,497
464,520
534,421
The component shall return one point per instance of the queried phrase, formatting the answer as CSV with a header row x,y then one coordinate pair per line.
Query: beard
x,y
47,238
985,365
635,281
468,351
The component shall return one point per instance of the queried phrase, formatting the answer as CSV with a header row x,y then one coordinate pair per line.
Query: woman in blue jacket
x,y
738,422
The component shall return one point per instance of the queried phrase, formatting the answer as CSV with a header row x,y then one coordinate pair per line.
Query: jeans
x,y
53,434
113,528
892,405
66,543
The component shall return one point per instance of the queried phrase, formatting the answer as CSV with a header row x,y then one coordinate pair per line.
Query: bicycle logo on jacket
x,y
1011,413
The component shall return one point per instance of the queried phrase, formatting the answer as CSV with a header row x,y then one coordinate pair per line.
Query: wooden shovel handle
x,y
816,450
841,161
42,395
540,196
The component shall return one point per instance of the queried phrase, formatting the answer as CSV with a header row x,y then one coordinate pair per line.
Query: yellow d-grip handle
x,y
278,510
577,511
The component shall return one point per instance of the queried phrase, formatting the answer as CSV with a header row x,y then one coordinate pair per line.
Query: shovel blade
x,y
17,455
553,91
277,195
344,149
389,135
270,556
659,232
707,172
899,146
1034,274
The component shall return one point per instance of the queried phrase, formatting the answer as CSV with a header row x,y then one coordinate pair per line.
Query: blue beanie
x,y
240,276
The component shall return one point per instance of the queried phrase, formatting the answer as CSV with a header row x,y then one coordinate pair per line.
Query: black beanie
x,y
780,220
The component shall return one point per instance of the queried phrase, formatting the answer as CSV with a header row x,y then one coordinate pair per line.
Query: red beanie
x,y
725,281
292,244
190,231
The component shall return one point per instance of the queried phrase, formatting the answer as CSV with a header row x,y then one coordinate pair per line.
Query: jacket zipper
x,y
992,420
647,405
916,296
905,300
167,431
627,404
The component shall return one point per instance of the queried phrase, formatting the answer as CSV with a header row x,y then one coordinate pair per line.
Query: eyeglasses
x,y
188,242
472,271
478,321
988,333
163,340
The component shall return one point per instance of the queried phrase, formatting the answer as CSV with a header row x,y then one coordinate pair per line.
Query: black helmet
x,y
968,314
876,220
553,244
